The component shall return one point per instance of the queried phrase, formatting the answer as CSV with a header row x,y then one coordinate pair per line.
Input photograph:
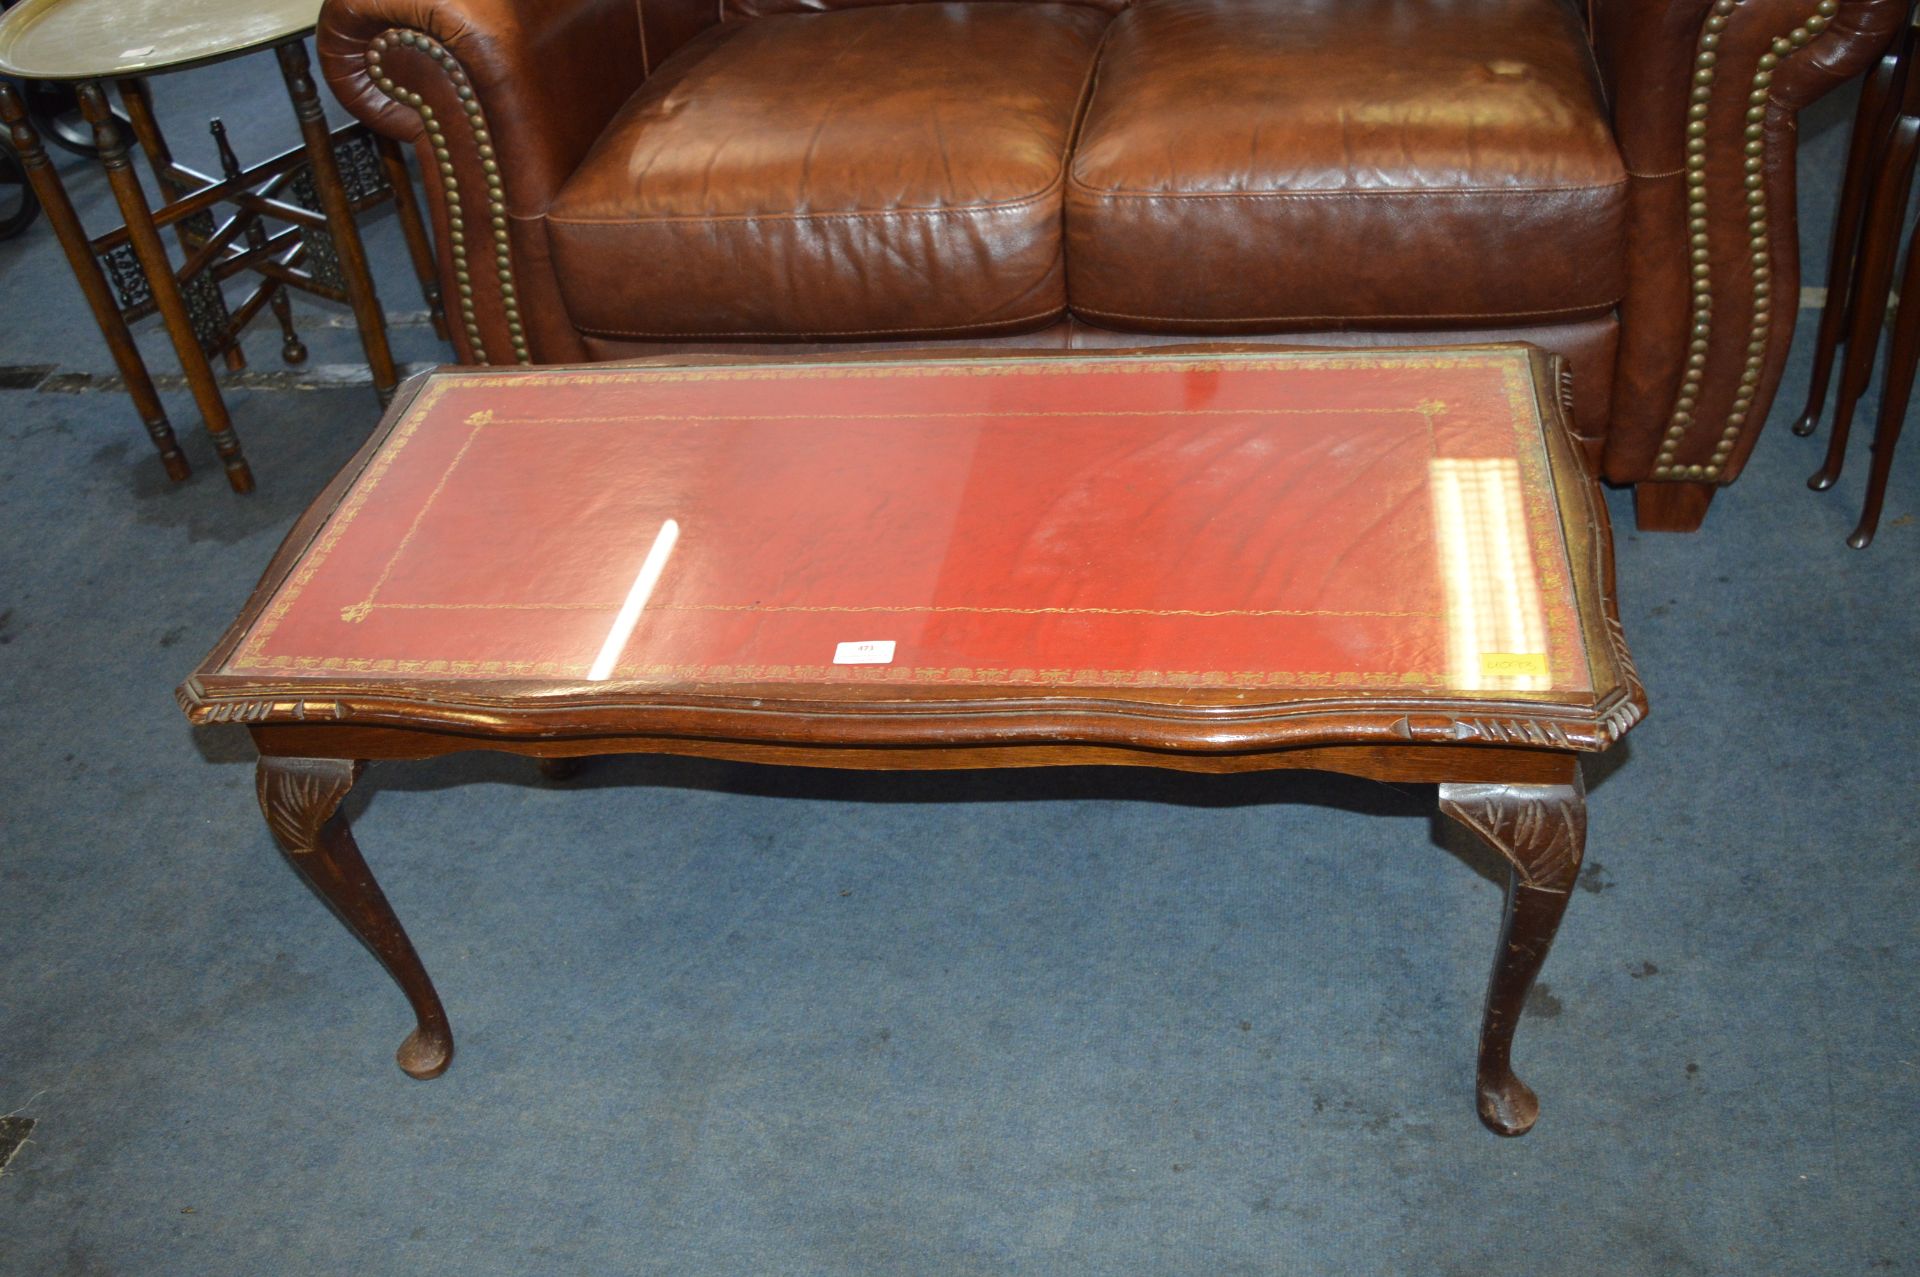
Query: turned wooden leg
x,y
152,255
1542,831
1872,123
419,247
339,210
300,798
93,284
1873,286
136,99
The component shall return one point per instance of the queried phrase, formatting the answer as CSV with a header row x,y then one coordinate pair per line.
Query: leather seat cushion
x,y
882,171
1262,165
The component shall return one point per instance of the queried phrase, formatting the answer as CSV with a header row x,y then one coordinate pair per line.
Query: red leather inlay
x,y
1267,521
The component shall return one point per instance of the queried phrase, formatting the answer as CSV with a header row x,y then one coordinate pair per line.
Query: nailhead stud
x,y
450,185
1759,245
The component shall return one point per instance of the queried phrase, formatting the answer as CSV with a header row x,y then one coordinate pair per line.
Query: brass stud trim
x,y
450,187
1760,249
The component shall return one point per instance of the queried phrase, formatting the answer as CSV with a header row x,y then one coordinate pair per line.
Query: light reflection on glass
x,y
650,570
1496,626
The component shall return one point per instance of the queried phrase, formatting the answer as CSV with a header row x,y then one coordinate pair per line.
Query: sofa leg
x,y
1671,507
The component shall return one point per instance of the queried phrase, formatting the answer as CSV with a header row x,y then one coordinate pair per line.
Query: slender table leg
x,y
152,255
1873,286
86,271
1879,101
1894,396
137,101
333,201
300,798
1542,831
419,247
136,98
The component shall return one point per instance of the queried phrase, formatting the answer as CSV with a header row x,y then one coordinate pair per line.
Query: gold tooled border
x,y
1525,416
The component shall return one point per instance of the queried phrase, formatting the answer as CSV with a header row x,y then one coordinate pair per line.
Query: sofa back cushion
x,y
1265,165
878,172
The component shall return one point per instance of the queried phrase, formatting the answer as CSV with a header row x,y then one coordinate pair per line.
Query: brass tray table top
x,y
102,39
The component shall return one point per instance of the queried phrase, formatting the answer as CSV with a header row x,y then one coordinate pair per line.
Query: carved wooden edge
x,y
1631,706
202,709
1540,829
1584,518
299,795
521,711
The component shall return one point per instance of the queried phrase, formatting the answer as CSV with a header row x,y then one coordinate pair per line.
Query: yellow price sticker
x,y
1513,664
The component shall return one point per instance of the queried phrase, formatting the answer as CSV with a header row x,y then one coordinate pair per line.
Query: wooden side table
x,y
126,274
1866,246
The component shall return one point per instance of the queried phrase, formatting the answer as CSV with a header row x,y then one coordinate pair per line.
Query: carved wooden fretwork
x,y
207,310
1541,829
323,255
358,160
361,172
198,228
299,795
128,277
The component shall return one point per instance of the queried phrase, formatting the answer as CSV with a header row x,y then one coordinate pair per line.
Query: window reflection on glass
x,y
1496,625
649,576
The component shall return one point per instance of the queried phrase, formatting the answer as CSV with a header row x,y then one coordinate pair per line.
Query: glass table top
x,y
1279,524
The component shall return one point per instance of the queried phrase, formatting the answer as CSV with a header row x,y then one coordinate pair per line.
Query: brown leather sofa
x,y
1616,183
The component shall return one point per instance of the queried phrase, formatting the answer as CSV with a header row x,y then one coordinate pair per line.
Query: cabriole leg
x,y
1873,288
1541,830
300,798
1894,396
1873,122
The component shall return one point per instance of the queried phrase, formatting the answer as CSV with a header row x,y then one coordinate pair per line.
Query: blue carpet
x,y
717,1019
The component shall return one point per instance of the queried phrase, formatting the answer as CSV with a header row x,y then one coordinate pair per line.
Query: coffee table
x,y
1388,564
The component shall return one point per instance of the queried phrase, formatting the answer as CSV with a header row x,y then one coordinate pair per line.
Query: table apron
x,y
1411,762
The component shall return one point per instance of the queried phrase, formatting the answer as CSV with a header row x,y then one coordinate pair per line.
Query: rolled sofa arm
x,y
501,100
1706,95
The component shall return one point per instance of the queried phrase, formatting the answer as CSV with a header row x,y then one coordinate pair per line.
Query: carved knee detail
x,y
298,796
1541,829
